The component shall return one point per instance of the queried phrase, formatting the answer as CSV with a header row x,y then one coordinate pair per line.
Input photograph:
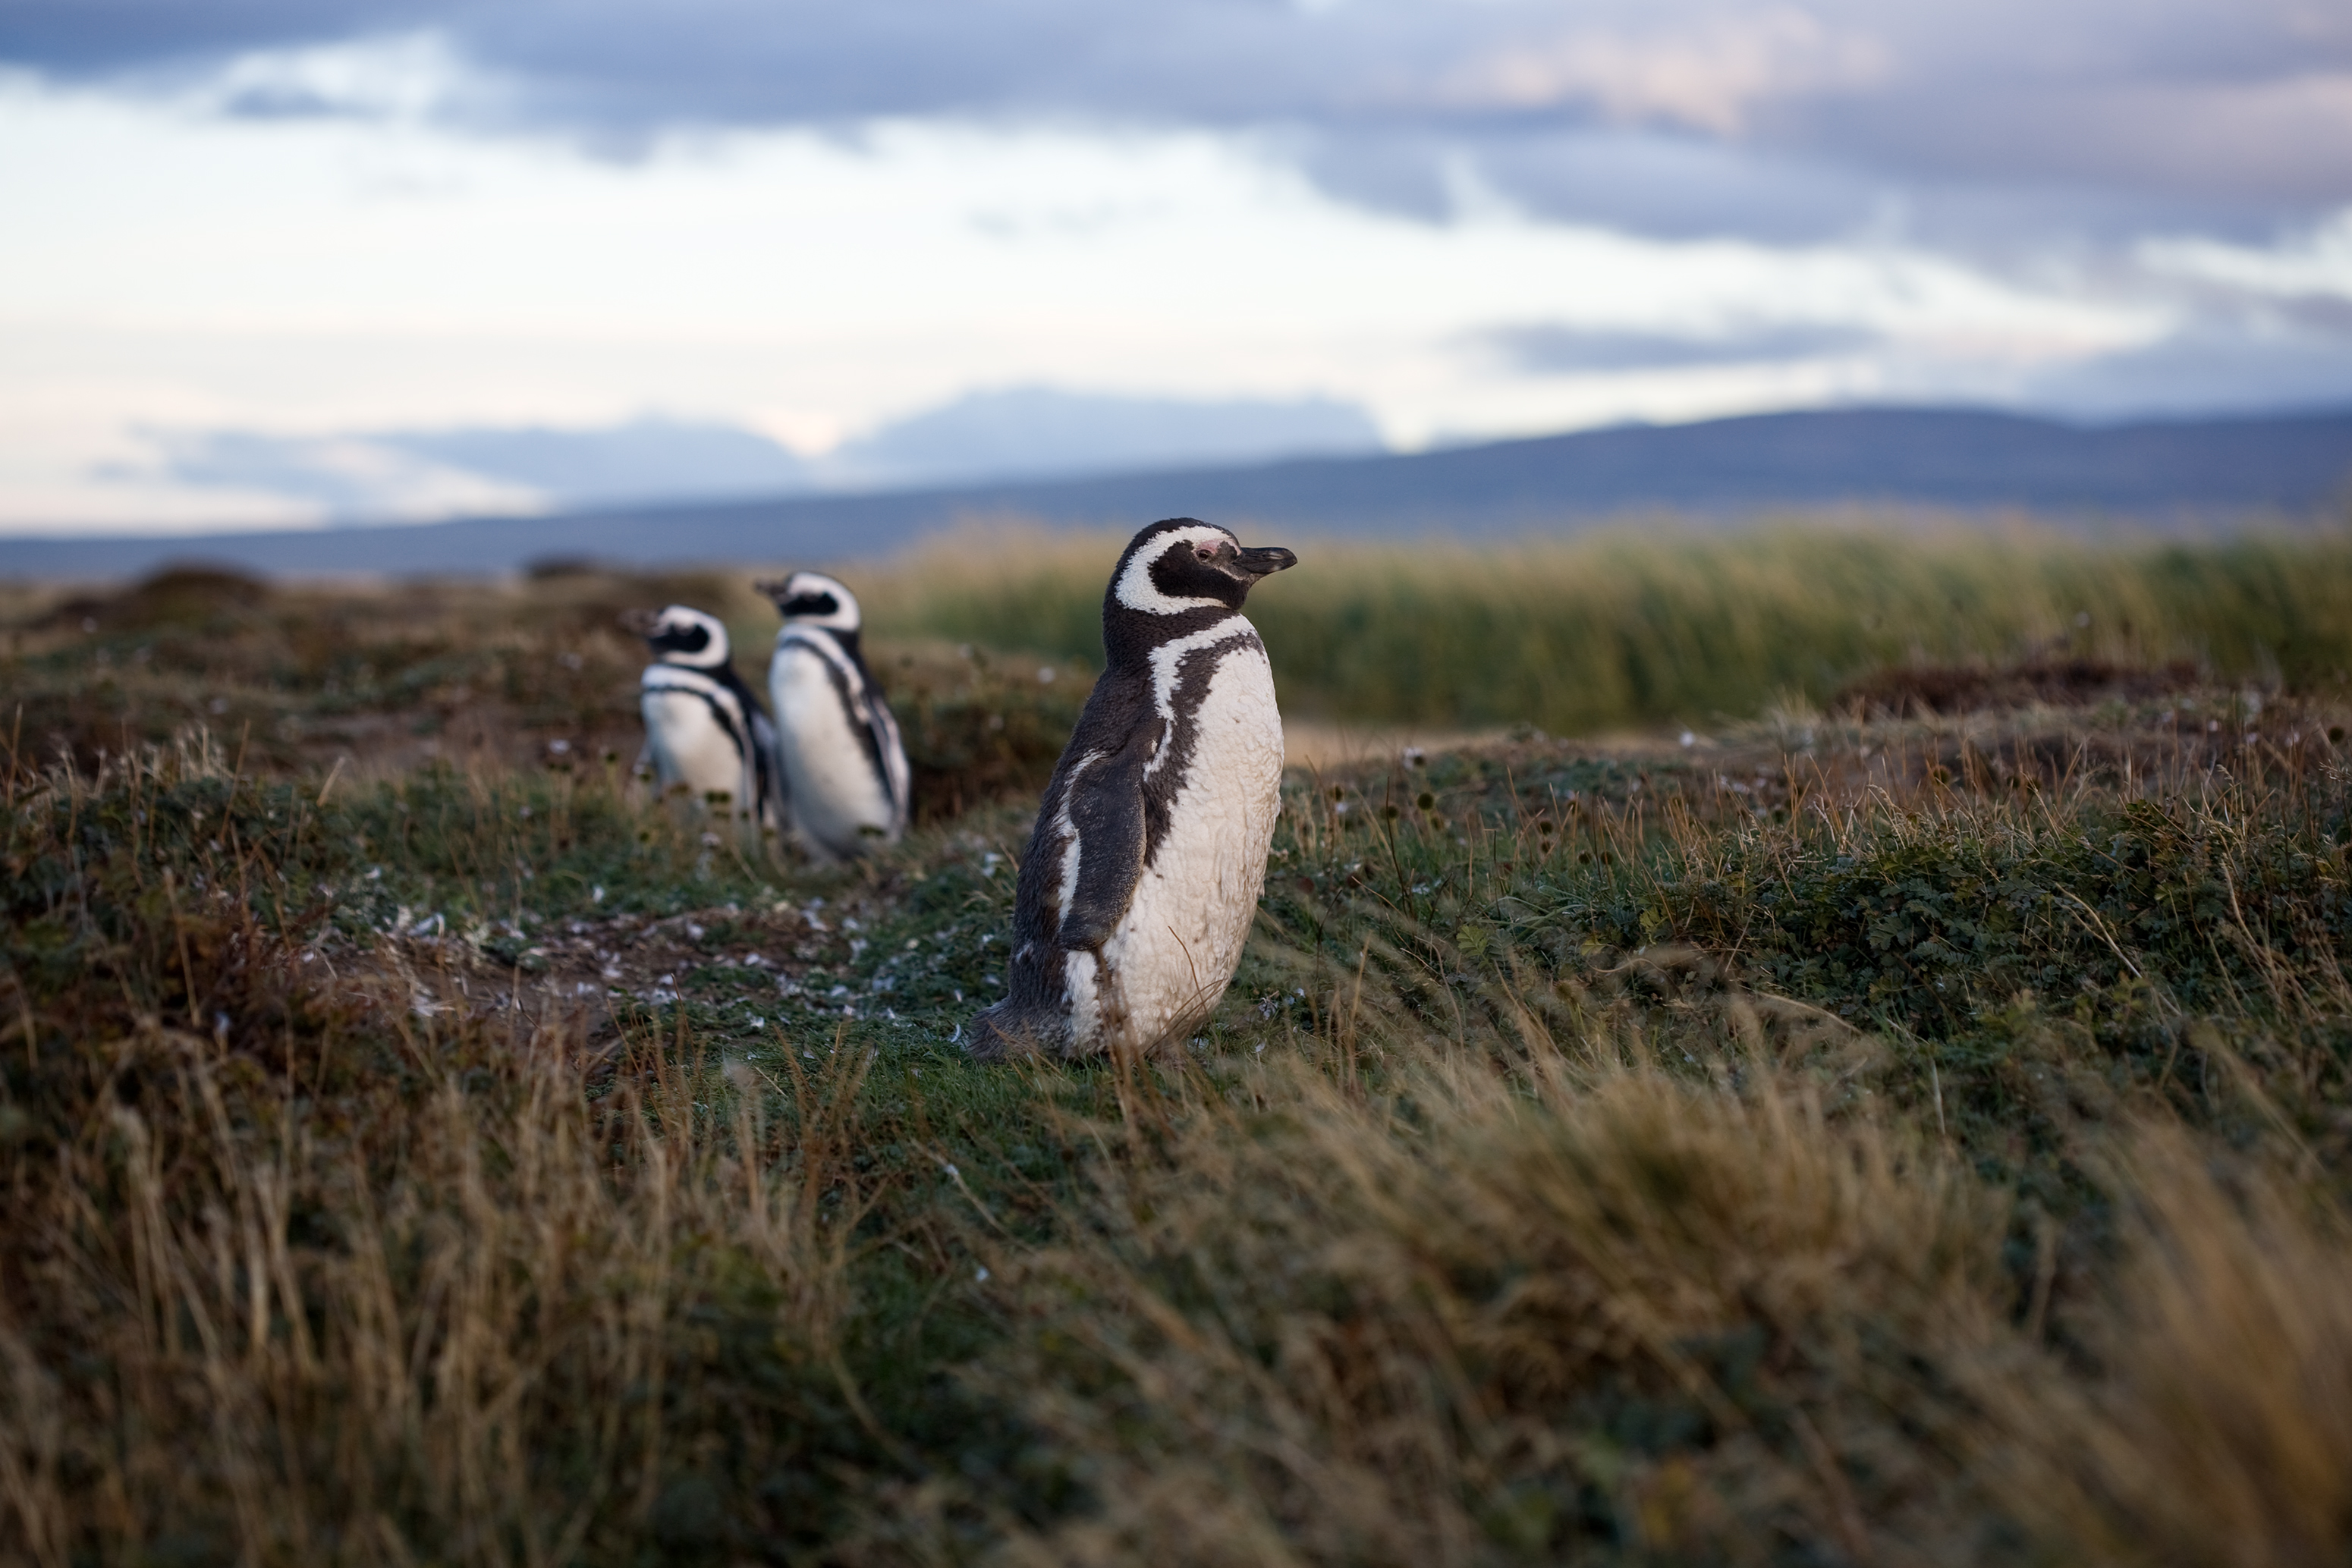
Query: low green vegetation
x,y
1880,1137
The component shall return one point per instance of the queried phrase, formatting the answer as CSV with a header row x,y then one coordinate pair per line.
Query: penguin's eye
x,y
1205,553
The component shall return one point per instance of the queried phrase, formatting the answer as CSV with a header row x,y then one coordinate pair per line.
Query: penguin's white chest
x,y
1171,957
687,743
837,798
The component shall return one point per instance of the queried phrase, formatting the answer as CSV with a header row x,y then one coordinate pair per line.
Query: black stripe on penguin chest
x,y
1180,742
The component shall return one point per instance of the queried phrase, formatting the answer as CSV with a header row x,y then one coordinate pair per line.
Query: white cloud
x,y
326,478
170,269
2318,261
413,78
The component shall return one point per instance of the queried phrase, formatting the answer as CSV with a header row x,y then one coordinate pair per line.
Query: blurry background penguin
x,y
705,729
845,771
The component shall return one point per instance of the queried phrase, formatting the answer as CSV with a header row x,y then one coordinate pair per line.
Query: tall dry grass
x,y
1648,1288
1623,629
2221,1427
1574,1220
466,1357
1834,1141
1591,1308
1483,1316
314,1259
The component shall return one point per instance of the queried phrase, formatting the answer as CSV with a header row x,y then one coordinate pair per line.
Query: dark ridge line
x,y
1722,471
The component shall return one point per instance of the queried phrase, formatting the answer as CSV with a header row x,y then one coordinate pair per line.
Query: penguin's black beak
x,y
640,622
1266,561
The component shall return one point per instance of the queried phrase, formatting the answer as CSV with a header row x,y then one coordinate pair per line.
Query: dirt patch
x,y
1923,691
190,595
616,975
1325,747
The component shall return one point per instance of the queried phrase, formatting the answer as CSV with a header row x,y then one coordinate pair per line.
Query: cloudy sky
x,y
271,261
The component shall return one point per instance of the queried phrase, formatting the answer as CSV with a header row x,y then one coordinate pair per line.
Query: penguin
x,y
1144,871
704,727
844,770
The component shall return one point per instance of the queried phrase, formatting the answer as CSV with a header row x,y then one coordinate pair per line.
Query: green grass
x,y
1828,1141
1620,631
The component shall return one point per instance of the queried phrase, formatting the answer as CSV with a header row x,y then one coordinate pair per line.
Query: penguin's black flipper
x,y
1105,817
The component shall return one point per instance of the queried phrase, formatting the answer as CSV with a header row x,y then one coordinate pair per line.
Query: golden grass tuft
x,y
471,1353
314,1264
1485,1315
2219,1427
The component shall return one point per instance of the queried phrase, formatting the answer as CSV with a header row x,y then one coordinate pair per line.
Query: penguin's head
x,y
1184,564
813,599
679,635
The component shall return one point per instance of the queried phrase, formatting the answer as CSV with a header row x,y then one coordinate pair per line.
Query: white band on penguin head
x,y
815,585
683,618
1136,590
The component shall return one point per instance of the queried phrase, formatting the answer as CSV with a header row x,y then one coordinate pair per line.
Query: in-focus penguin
x,y
845,770
1150,852
704,727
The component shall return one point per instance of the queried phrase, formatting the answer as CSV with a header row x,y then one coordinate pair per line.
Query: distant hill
x,y
1726,468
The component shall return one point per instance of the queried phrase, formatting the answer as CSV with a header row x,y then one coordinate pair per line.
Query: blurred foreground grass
x,y
1836,1140
1626,629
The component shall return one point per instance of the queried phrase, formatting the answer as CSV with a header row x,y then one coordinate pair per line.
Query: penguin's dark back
x,y
1119,708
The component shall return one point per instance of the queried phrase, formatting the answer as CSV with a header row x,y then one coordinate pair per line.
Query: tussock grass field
x,y
1914,1131
1644,628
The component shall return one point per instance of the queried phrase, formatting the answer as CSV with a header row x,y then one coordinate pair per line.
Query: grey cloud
x,y
1673,185
2204,369
1017,432
340,478
1681,186
1546,350
275,100
415,473
2328,314
1036,431
2235,351
1404,172
97,39
1673,116
647,457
